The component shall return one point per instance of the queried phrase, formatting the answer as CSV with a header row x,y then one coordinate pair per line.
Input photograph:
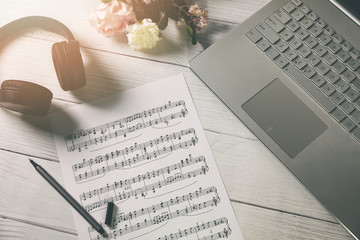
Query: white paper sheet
x,y
145,150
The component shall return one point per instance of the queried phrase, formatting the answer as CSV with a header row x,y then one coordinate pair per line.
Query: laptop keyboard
x,y
316,57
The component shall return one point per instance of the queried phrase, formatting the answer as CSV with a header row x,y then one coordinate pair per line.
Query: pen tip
x,y
33,163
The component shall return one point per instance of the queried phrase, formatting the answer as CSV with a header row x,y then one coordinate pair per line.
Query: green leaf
x,y
192,34
163,22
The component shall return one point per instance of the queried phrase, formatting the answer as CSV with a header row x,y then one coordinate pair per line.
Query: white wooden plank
x,y
175,44
232,10
106,74
262,224
252,174
10,230
26,196
241,162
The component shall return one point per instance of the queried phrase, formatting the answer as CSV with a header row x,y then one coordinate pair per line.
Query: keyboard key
x,y
272,53
263,44
342,86
282,16
281,46
309,71
355,53
353,64
338,98
290,54
311,42
356,84
343,55
313,60
329,30
348,124
332,77
299,63
338,38
281,61
286,35
315,30
324,39
347,46
322,68
356,134
308,87
274,24
352,95
295,43
347,107
334,47
338,115
306,22
321,23
329,59
304,51
320,50
318,80
328,89
356,116
302,33
267,32
297,2
297,15
313,16
339,67
254,35
357,103
348,76
289,7
305,9
293,26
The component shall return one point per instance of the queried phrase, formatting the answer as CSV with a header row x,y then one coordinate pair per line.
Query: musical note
x,y
147,153
84,138
211,226
176,207
134,154
125,189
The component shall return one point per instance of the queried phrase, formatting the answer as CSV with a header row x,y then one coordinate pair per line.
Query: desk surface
x,y
268,200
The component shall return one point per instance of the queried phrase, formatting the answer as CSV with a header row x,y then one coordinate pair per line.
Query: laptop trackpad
x,y
285,118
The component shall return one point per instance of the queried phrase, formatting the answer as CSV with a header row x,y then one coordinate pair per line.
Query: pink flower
x,y
112,17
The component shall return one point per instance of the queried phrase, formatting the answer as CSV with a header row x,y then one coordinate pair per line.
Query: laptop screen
x,y
353,6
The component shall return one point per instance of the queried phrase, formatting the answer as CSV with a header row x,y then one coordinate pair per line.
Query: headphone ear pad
x,y
69,65
25,97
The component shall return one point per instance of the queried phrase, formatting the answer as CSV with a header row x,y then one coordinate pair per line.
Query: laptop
x,y
291,73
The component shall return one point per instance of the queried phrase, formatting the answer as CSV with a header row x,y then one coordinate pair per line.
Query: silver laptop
x,y
291,73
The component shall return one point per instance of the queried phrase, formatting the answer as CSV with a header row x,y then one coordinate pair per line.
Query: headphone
x,y
30,98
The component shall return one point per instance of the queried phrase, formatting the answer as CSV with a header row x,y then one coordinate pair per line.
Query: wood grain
x,y
268,200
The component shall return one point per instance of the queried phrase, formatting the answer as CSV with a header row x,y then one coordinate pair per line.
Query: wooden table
x,y
268,200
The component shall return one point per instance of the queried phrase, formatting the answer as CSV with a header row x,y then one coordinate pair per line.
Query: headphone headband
x,y
46,23
27,97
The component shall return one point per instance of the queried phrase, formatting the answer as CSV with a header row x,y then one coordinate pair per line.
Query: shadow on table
x,y
213,32
100,82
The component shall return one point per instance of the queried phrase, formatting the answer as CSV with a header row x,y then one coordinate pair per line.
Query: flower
x,y
144,34
112,17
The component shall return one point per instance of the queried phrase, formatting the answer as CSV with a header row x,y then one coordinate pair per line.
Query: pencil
x,y
68,198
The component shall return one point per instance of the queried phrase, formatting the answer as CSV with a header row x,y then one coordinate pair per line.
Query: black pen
x,y
68,198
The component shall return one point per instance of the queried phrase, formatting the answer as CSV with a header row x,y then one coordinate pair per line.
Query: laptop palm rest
x,y
284,117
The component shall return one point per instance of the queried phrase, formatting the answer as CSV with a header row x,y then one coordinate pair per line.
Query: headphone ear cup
x,y
25,97
69,65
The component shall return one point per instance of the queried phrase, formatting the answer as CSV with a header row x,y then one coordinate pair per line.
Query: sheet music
x,y
145,150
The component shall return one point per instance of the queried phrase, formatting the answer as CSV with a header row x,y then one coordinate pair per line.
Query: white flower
x,y
144,34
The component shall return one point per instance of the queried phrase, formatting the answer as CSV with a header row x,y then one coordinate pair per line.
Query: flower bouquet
x,y
142,20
